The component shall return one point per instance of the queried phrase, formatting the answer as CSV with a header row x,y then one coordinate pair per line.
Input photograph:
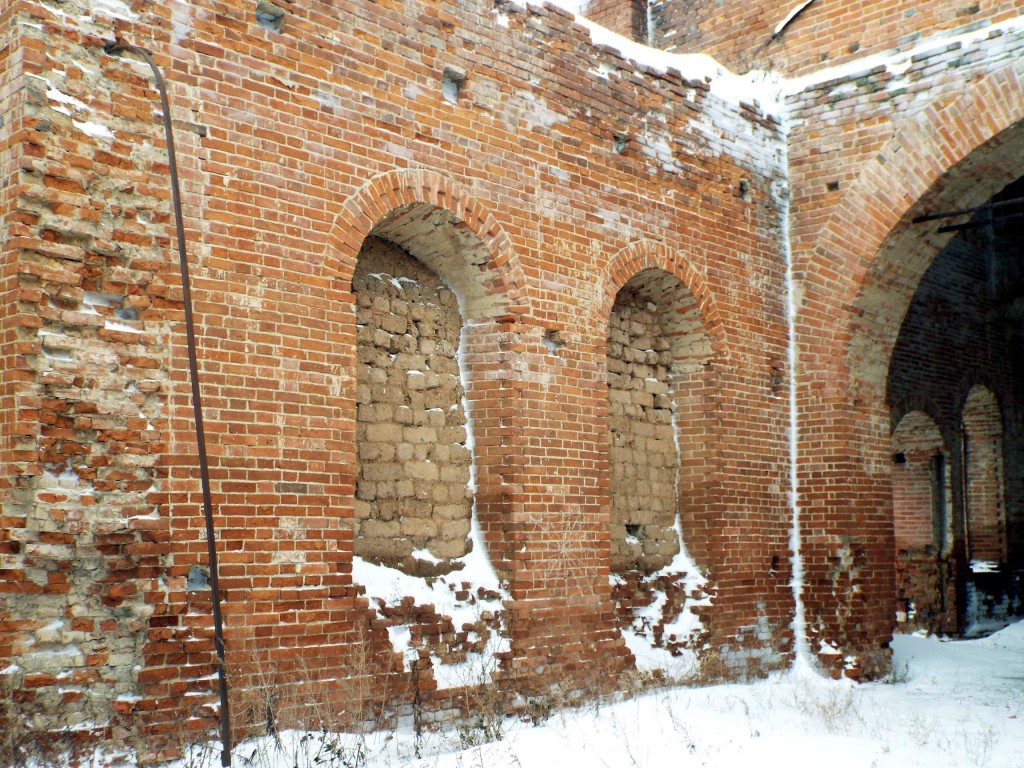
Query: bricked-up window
x,y
920,485
413,503
655,339
983,457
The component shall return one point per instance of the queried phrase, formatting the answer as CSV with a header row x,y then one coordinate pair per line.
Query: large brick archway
x,y
949,157
858,283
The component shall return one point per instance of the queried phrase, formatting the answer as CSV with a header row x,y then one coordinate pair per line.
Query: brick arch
x,y
388,205
970,383
865,267
695,390
915,402
981,418
653,254
421,190
949,156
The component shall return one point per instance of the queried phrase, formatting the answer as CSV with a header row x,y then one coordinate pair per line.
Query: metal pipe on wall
x,y
113,49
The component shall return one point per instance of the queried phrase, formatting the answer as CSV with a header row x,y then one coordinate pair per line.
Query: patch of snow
x,y
802,653
115,9
828,649
389,586
425,556
651,658
790,16
95,130
984,566
948,705
401,641
62,98
112,325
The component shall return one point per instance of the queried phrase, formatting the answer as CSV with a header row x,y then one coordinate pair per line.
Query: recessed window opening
x,y
413,493
656,349
983,459
451,83
922,524
643,452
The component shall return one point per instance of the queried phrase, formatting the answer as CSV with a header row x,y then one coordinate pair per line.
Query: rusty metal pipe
x,y
113,49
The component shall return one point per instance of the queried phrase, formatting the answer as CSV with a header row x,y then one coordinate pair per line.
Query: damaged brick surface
x,y
542,201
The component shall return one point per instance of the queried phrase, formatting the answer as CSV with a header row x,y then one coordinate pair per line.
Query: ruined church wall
x,y
566,171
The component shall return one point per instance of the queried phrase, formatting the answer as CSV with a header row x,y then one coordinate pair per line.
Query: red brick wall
x,y
294,147
741,34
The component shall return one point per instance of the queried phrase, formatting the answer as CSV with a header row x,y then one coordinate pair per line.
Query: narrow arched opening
x,y
982,424
922,514
413,499
658,358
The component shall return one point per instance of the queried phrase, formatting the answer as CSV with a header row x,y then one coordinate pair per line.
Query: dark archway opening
x,y
961,348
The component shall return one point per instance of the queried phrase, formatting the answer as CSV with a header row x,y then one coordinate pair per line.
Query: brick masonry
x,y
747,36
544,194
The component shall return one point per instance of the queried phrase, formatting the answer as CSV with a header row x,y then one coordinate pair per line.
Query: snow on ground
x,y
949,704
